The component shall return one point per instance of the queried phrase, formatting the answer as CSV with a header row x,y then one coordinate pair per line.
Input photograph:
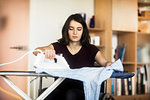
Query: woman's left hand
x,y
108,64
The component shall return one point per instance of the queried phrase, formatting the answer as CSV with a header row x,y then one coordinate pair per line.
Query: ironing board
x,y
4,75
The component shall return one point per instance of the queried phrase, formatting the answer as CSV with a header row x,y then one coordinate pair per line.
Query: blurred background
x,y
27,24
113,25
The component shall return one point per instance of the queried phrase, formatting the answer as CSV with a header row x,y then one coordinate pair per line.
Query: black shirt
x,y
84,58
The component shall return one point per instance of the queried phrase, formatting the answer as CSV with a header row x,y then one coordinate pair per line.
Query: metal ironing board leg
x,y
40,85
4,75
14,87
50,89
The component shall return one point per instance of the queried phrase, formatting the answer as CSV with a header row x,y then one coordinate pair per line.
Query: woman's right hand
x,y
48,51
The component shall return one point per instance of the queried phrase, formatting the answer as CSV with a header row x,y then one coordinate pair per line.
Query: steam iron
x,y
58,62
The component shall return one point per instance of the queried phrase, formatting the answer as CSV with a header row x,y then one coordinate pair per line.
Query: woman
x,y
78,52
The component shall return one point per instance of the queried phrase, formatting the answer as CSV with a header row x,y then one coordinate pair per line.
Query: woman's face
x,y
75,31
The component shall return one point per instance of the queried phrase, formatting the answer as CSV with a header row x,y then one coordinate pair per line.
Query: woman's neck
x,y
74,47
74,44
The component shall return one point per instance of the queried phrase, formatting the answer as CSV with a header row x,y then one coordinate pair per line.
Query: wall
x,y
14,31
46,20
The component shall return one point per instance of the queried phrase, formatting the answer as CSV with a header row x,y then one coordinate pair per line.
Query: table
x,y
4,75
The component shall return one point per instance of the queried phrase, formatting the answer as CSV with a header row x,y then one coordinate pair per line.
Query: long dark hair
x,y
85,39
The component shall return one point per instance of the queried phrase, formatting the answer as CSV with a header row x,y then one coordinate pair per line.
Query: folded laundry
x,y
92,83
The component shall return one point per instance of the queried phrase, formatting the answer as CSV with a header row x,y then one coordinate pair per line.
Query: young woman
x,y
78,52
